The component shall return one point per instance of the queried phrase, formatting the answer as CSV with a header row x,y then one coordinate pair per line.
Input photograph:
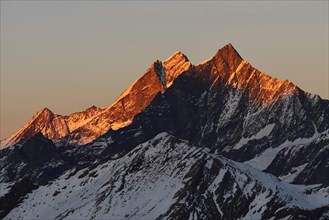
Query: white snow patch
x,y
295,172
262,133
4,188
262,161
230,106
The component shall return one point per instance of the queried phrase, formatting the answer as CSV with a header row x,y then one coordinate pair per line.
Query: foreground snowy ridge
x,y
170,178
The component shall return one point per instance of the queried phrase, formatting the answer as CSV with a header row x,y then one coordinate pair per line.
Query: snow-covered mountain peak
x,y
175,65
178,55
38,121
228,69
228,57
45,109
44,113
225,69
82,127
51,125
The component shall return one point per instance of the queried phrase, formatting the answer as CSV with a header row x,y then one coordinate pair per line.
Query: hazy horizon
x,y
68,56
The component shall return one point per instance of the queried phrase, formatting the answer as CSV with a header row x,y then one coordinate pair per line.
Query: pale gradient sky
x,y
70,55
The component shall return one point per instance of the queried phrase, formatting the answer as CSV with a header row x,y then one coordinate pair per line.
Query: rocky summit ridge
x,y
83,127
226,67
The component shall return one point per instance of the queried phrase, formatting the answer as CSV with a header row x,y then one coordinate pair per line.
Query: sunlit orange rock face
x,y
51,125
230,70
226,68
133,100
83,127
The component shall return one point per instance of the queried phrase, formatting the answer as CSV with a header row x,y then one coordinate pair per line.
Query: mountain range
x,y
217,140
83,127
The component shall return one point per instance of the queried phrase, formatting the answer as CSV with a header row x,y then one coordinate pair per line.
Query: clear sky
x,y
70,55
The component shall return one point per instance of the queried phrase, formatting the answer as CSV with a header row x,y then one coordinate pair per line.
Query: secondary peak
x,y
175,65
